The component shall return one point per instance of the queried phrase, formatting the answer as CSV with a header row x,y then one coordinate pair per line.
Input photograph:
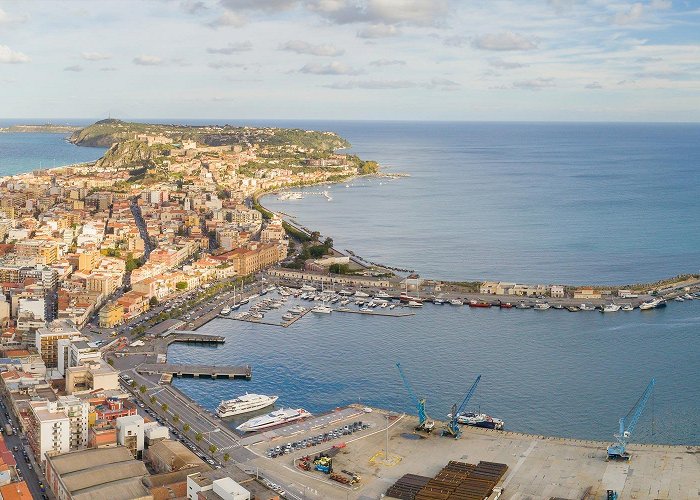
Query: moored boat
x,y
479,303
541,306
244,404
277,417
321,309
226,311
505,305
612,307
479,420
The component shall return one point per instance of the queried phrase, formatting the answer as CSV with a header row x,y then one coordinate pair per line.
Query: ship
x,y
406,298
277,417
244,404
480,420
479,303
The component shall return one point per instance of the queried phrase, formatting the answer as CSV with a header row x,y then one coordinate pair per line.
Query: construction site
x,y
411,457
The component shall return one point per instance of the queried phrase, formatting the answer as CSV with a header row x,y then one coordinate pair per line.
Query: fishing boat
x,y
541,306
321,309
612,307
479,303
505,305
456,302
244,404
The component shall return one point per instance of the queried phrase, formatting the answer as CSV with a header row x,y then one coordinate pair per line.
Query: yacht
x,y
345,293
541,306
612,307
586,307
456,302
360,293
288,316
382,295
308,288
226,311
273,418
413,303
244,404
628,307
321,309
679,299
645,306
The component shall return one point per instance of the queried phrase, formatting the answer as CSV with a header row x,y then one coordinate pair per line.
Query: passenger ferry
x,y
244,404
273,418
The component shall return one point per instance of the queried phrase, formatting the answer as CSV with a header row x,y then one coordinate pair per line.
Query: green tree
x,y
180,285
110,361
153,302
153,400
328,243
164,406
131,263
132,383
186,428
198,437
143,389
227,457
176,418
212,449
317,251
339,268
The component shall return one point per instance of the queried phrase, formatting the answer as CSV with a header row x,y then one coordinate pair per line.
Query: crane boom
x,y
469,395
628,423
453,424
423,422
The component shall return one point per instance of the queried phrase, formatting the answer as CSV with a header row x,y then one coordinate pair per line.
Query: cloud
x,y
497,62
264,5
223,65
503,41
594,86
194,7
95,56
301,47
388,62
456,41
228,18
378,31
75,68
534,84
630,15
373,84
108,68
661,4
442,84
7,19
648,59
146,60
333,68
394,12
231,48
9,56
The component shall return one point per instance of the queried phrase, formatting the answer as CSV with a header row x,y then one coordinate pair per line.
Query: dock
x,y
196,371
378,313
284,324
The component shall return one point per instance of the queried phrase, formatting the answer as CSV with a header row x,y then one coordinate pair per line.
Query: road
x,y
33,477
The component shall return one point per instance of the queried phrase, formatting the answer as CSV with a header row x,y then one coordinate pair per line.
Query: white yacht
x,y
541,306
414,303
273,418
226,311
288,316
612,307
344,292
586,307
628,307
244,404
456,302
382,295
360,293
308,288
321,309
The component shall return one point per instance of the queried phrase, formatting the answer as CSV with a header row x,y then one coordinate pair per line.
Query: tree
x,y
153,400
227,457
132,383
181,285
198,437
315,235
186,428
110,361
143,389
131,263
176,418
164,406
212,449
317,251
328,243
153,302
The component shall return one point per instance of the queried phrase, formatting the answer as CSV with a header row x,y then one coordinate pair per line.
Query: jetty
x,y
196,371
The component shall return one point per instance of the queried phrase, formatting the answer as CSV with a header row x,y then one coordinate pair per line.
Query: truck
x,y
8,429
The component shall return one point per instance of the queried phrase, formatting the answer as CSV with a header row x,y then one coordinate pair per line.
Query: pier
x,y
196,371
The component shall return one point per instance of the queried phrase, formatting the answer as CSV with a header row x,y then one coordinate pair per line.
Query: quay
x,y
198,371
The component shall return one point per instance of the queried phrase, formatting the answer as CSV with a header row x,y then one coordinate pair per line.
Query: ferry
x,y
244,404
226,311
277,417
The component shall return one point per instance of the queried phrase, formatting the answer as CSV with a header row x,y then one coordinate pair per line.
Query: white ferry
x,y
273,418
244,404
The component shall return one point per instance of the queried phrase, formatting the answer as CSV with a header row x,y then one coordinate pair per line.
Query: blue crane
x,y
423,422
453,424
618,450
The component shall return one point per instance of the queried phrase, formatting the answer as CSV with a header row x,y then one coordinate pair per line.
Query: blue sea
x,y
538,203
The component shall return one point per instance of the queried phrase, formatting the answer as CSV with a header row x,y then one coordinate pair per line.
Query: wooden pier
x,y
196,371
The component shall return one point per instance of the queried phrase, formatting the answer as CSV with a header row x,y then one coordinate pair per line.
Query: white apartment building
x,y
130,433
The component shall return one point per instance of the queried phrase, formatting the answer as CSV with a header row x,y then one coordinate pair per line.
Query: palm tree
x,y
164,406
143,389
199,436
212,449
153,400
227,457
176,418
186,428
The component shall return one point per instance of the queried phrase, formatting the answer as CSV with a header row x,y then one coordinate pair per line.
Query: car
x,y
29,466
15,448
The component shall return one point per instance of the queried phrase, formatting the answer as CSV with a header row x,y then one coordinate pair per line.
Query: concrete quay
x,y
198,371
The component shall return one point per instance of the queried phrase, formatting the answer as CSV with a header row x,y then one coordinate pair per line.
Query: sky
x,y
519,60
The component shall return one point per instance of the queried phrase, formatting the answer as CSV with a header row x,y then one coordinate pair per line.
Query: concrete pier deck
x,y
211,371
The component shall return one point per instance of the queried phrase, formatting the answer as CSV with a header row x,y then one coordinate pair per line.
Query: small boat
x,y
288,316
628,307
308,288
505,305
413,303
438,301
456,302
345,293
679,299
365,309
557,306
586,307
322,310
257,315
479,303
523,305
612,307
382,295
392,306
226,311
344,302
541,306
572,309
362,294
645,306
687,296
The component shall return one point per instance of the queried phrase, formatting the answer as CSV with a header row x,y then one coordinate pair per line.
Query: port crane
x,y
453,425
423,422
618,450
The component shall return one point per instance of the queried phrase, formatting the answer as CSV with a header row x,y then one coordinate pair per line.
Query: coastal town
x,y
104,265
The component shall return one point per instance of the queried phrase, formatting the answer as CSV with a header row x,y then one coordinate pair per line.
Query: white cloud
x,y
95,56
661,4
146,60
231,48
503,41
378,31
593,86
456,41
264,5
407,12
223,65
442,84
9,56
373,84
630,15
388,62
7,19
302,47
76,68
228,18
534,84
333,68
497,62
194,7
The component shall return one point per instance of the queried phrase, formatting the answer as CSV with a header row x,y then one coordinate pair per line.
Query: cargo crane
x,y
423,422
618,451
453,428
